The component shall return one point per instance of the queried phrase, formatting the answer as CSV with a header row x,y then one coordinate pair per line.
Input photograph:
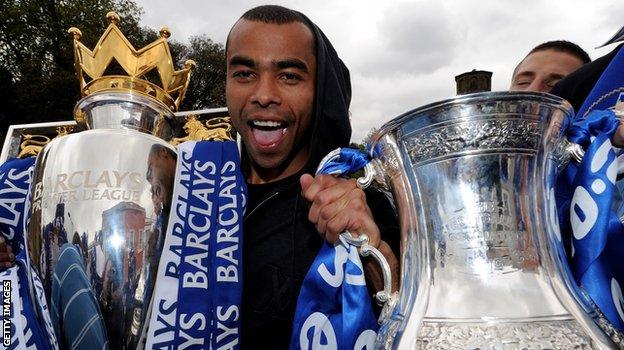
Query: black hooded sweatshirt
x,y
280,243
576,86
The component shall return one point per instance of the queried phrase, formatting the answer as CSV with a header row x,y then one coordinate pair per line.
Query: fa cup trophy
x,y
482,265
101,197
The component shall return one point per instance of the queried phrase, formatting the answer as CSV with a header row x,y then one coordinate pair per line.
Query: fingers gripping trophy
x,y
101,197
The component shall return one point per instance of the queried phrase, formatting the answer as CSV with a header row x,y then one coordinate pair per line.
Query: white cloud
x,y
412,39
405,54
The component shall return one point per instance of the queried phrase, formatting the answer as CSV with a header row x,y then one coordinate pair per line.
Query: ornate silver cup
x,y
482,264
105,193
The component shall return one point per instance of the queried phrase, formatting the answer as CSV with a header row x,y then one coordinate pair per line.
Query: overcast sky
x,y
404,54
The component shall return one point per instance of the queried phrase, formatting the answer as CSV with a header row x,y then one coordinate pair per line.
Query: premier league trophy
x,y
483,265
106,192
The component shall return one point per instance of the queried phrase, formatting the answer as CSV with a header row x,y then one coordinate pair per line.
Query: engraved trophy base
x,y
559,333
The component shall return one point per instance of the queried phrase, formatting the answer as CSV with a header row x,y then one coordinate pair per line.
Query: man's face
x,y
541,70
160,173
271,80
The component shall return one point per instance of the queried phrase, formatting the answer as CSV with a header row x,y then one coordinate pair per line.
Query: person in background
x,y
577,86
546,64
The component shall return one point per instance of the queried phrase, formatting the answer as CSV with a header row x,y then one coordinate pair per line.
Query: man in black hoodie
x,y
288,95
576,87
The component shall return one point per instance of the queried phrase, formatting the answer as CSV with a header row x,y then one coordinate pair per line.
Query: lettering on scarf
x,y
13,190
164,321
322,332
197,294
227,235
199,221
227,257
585,194
174,252
227,337
340,275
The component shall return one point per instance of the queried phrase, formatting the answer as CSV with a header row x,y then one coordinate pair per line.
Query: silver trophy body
x,y
105,192
482,263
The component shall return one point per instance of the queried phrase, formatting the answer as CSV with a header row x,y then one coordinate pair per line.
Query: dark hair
x,y
563,46
157,148
273,14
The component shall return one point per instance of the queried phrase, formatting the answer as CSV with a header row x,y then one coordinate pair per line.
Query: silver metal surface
x,y
107,192
118,110
215,112
482,264
15,133
567,151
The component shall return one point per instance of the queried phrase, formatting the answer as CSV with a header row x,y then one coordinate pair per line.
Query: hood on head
x,y
331,127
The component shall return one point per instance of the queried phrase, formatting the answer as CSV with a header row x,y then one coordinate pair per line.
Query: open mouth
x,y
268,133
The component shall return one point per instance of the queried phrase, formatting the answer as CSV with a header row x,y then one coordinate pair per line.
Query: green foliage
x,y
207,87
37,77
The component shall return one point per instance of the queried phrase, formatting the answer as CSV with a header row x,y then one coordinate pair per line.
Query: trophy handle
x,y
384,298
567,151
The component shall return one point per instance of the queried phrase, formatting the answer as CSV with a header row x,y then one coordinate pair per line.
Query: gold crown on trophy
x,y
92,65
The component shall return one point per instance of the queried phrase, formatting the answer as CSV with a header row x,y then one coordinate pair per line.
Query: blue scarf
x,y
27,329
333,308
196,302
15,178
585,192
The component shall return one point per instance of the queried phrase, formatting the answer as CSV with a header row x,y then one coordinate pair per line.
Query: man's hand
x,y
338,205
6,254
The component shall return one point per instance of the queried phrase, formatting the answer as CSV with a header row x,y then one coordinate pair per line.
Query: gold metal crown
x,y
91,65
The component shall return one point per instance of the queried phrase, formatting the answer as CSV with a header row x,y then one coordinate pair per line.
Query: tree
x,y
207,86
37,76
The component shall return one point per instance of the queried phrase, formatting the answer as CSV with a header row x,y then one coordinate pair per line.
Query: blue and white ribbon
x,y
196,301
44,319
345,161
585,193
594,232
26,332
334,309
28,317
15,178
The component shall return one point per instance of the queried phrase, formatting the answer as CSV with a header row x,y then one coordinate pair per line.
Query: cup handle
x,y
382,297
567,151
